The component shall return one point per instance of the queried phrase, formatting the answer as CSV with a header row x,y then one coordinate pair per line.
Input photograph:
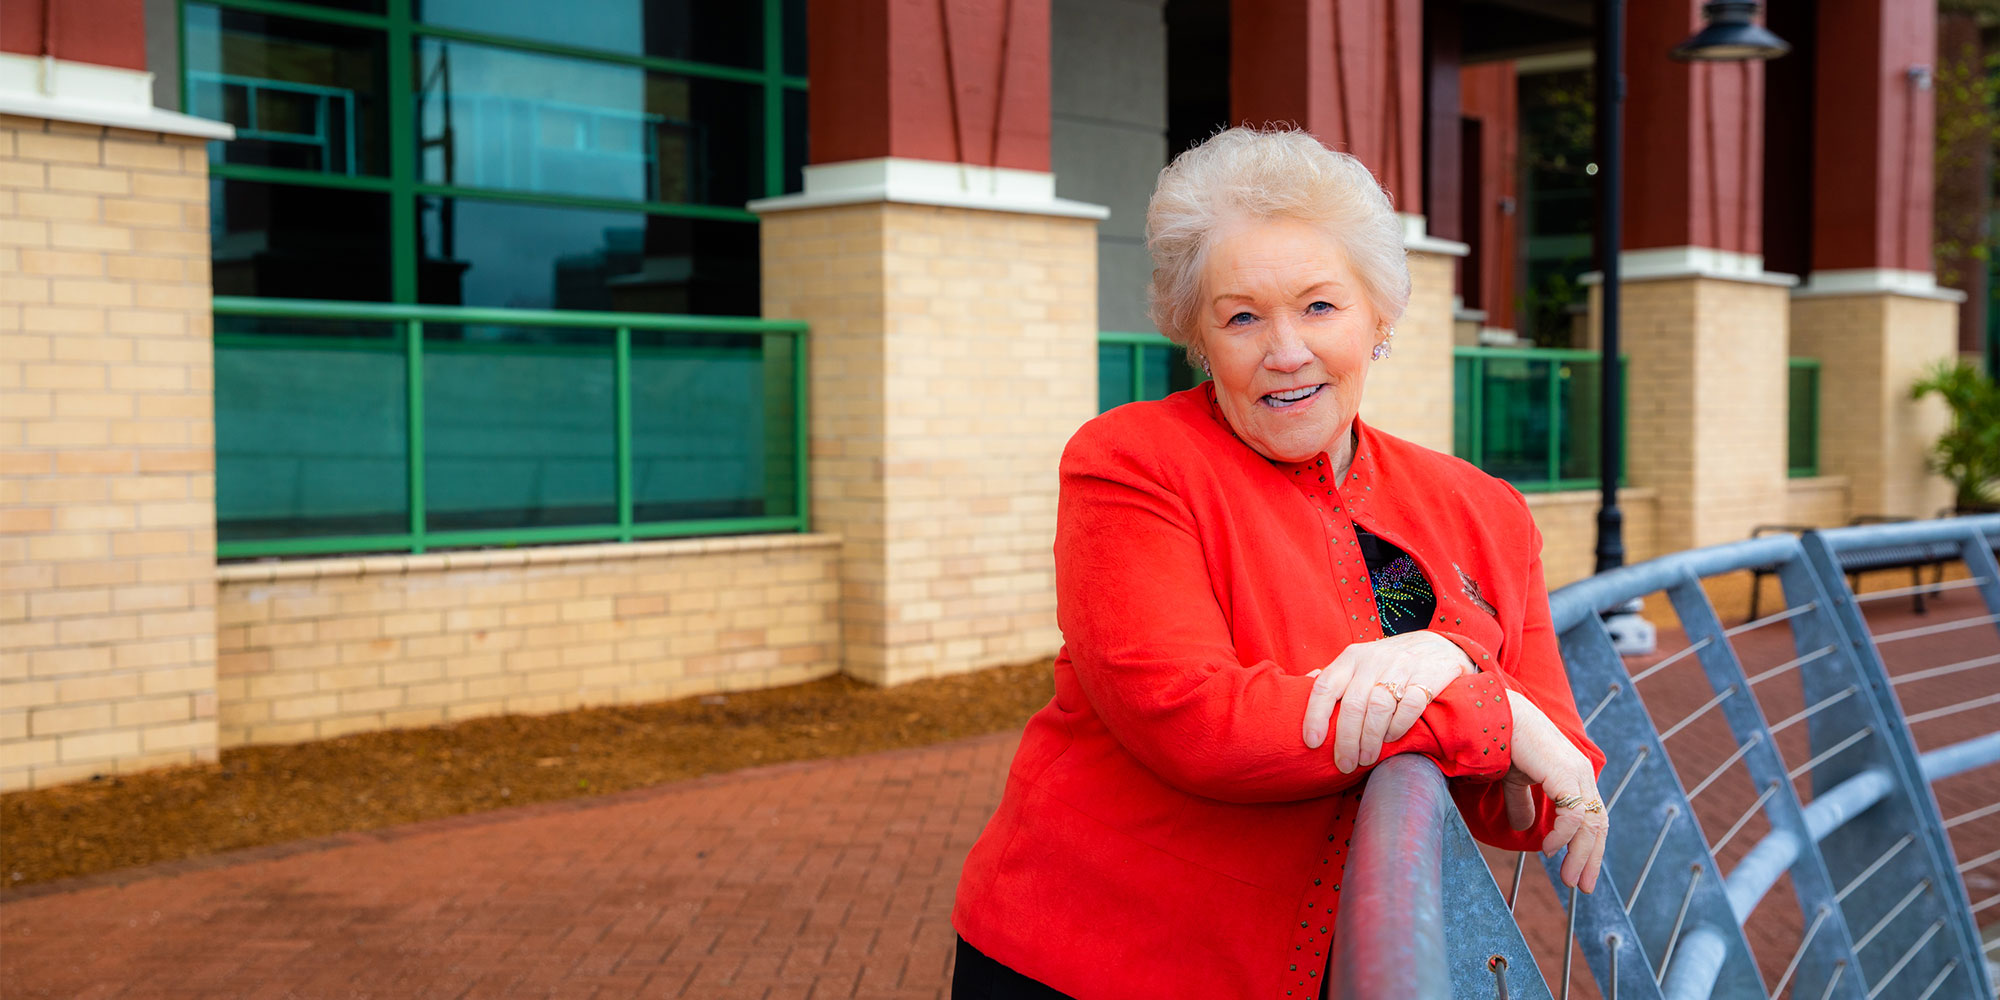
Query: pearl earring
x,y
1382,349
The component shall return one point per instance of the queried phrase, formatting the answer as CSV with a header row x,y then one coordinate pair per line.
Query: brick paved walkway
x,y
826,879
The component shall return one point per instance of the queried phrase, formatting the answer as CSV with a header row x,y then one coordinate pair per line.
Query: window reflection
x,y
516,121
698,30
298,242
484,253
302,95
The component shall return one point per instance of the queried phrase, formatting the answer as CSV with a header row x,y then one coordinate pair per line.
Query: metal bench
x,y
1801,766
1912,556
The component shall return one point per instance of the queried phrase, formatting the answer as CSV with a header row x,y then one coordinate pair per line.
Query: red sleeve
x,y
1152,652
1529,663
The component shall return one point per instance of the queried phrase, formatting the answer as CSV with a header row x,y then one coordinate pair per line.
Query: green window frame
x,y
1802,405
1475,441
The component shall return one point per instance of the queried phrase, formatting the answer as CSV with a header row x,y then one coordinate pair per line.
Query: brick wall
x,y
1871,349
311,649
1706,404
953,355
1568,522
1409,393
107,519
1818,502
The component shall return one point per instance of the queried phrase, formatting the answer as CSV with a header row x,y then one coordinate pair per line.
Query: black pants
x,y
978,977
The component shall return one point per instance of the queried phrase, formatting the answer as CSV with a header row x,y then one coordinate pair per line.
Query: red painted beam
x,y
1874,128
1694,139
1348,71
963,81
103,32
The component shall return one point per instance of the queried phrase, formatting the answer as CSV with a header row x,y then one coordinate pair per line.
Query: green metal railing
x,y
1139,366
314,381
1528,415
1802,418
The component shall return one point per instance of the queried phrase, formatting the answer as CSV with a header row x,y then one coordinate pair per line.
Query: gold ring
x,y
1428,696
1595,806
1569,801
1394,689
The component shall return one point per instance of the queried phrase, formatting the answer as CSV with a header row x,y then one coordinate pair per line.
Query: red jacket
x,y
1165,832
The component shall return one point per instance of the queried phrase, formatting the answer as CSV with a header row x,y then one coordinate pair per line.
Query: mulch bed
x,y
270,794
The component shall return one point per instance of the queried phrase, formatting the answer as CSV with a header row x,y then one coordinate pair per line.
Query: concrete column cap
x,y
1669,263
1417,238
930,182
1876,281
61,90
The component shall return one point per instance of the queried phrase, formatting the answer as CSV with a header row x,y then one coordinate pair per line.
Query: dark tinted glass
x,y
1515,421
795,37
795,141
699,30
301,94
519,427
1114,376
1580,390
712,426
293,242
485,253
311,434
518,121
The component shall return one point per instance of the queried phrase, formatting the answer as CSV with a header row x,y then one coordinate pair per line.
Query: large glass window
x,y
520,121
621,138
415,185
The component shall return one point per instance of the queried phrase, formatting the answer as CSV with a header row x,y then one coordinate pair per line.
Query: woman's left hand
x,y
1381,688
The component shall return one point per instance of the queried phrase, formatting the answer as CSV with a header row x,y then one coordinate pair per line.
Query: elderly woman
x,y
1261,596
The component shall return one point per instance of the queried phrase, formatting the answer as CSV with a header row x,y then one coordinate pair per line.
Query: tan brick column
x,y
953,353
1409,393
1705,417
107,486
1872,346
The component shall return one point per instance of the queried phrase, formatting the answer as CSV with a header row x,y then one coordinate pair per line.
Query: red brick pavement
x,y
827,879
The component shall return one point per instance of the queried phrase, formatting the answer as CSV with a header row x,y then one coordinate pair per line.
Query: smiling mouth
x,y
1292,397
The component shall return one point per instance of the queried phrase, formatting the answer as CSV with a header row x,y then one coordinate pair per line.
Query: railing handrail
x,y
1389,931
235,305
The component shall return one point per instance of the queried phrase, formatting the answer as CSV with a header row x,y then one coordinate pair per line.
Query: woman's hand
x,y
1380,687
1543,756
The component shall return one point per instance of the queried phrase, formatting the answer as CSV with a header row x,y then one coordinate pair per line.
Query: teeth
x,y
1294,395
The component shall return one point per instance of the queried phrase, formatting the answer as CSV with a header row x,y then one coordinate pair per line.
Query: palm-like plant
x,y
1969,453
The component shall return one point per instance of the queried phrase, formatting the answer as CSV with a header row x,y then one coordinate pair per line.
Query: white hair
x,y
1268,174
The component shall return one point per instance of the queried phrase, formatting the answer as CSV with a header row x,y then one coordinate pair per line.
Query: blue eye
x,y
1319,308
1241,318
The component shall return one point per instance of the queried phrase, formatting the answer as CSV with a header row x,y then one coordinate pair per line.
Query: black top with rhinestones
x,y
1403,598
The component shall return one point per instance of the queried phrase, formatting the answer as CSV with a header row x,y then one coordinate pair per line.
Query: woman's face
x,y
1288,335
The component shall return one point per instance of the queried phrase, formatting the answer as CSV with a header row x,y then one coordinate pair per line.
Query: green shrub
x,y
1969,453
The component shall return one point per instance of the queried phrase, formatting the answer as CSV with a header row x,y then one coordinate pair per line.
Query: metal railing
x,y
1882,907
354,427
1528,415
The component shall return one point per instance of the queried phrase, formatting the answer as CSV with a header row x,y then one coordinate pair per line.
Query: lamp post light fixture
x,y
1731,33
